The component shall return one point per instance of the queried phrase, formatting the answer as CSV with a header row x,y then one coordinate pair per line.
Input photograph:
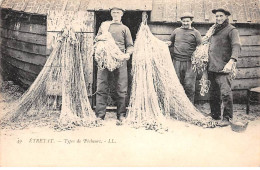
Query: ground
x,y
110,145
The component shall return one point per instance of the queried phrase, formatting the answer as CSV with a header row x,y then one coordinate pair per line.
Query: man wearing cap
x,y
183,42
224,49
123,40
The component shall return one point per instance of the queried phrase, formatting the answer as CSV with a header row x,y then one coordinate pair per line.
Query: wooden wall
x,y
242,11
248,63
23,46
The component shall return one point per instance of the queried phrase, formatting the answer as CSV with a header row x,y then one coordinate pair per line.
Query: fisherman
x,y
183,42
123,39
224,50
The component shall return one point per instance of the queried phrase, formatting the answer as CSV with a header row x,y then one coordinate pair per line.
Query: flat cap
x,y
187,15
117,7
226,12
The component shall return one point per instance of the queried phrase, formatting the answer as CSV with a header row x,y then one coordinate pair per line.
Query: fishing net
x,y
107,53
156,91
60,87
200,59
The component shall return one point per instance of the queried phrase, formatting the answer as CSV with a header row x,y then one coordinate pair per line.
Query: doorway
x,y
132,20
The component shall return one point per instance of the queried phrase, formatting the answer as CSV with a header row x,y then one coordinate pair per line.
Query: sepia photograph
x,y
129,83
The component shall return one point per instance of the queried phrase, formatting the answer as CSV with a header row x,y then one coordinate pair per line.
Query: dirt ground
x,y
110,145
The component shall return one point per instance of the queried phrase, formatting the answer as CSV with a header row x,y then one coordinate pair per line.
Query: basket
x,y
238,126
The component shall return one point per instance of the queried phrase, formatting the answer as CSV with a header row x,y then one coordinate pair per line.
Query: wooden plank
x,y
72,5
202,28
248,73
25,74
11,73
24,27
239,96
26,47
247,12
170,10
206,13
241,83
248,30
22,65
24,56
178,10
25,37
250,51
245,83
250,40
245,40
133,5
244,62
23,82
162,29
157,11
163,37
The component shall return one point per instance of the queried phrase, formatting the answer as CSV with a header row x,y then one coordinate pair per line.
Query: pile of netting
x,y
156,91
59,88
107,53
200,59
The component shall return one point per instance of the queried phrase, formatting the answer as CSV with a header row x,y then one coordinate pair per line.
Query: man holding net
x,y
184,41
109,62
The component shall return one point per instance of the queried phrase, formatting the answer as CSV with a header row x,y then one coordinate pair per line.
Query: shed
x,y
29,28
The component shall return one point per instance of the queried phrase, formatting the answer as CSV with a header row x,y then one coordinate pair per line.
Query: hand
x,y
100,38
128,56
228,66
204,42
204,75
168,43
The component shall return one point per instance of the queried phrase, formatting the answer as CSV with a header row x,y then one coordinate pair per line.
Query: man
x,y
123,40
184,41
224,49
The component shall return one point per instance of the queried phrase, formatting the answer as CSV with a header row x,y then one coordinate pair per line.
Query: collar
x,y
192,28
119,23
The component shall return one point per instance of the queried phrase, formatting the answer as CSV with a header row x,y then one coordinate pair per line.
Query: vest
x,y
220,49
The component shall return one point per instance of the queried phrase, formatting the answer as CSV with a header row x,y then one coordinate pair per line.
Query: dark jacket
x,y
224,45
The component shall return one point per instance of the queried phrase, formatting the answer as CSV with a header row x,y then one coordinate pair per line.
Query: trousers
x,y
220,92
121,79
187,77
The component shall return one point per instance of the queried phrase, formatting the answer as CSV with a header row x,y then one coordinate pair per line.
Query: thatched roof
x,y
243,11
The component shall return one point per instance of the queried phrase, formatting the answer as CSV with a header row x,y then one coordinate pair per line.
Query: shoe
x,y
216,118
224,123
99,121
120,121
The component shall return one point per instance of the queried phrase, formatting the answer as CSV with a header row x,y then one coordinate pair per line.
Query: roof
x,y
243,11
44,6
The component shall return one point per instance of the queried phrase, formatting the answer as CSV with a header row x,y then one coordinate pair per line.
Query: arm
x,y
235,43
129,42
172,38
198,38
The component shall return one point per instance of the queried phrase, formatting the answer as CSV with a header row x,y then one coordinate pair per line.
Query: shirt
x,y
122,36
184,43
